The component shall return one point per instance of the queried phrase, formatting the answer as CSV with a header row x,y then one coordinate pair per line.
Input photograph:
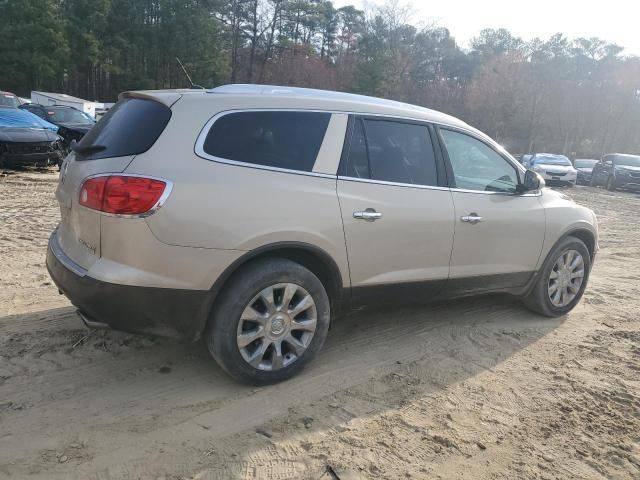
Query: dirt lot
x,y
472,389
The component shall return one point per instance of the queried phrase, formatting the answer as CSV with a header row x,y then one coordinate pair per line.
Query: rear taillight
x,y
121,194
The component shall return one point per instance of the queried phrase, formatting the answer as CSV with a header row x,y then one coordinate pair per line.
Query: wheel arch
x,y
310,256
583,234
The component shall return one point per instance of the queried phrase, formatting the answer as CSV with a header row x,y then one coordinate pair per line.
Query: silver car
x,y
254,216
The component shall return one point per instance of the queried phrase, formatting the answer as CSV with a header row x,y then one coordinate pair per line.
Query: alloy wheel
x,y
566,278
277,326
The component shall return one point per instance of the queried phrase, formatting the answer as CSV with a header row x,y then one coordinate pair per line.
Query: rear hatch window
x,y
130,127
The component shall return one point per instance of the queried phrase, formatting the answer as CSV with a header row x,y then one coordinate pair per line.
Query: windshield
x,y
630,161
551,160
585,163
9,100
68,115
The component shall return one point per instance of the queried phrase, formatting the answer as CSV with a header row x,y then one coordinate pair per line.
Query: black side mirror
x,y
532,181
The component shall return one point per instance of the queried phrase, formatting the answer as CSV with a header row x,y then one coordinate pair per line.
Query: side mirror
x,y
532,181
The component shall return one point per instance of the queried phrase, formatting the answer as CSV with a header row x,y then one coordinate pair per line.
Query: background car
x,y
26,139
8,99
73,124
584,166
555,169
617,170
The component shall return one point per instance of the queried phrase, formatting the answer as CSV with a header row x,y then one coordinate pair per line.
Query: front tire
x,y
270,320
562,279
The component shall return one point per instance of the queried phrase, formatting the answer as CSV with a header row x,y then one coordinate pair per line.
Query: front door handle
x,y
369,215
472,218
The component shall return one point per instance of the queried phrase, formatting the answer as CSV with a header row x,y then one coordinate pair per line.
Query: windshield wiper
x,y
87,148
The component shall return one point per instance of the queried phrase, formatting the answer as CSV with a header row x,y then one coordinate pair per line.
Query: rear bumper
x,y
156,311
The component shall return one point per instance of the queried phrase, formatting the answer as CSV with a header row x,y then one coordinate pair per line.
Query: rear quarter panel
x,y
215,205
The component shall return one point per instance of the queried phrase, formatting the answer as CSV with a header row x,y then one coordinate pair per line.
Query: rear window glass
x,y
130,127
288,140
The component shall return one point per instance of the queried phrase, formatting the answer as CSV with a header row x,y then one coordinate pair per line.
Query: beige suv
x,y
256,215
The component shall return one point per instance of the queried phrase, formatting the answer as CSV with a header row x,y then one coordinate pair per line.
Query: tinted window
x,y
36,111
392,152
288,140
476,166
357,163
130,127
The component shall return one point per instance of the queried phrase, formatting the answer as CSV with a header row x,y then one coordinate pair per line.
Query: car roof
x,y
622,155
310,99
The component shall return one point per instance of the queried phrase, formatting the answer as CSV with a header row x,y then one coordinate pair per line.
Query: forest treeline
x,y
577,96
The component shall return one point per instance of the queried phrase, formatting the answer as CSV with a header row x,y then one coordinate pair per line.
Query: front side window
x,y
281,139
391,151
476,166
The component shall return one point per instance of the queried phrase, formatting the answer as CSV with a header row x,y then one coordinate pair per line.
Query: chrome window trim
x,y
199,149
202,136
535,193
199,145
392,184
161,201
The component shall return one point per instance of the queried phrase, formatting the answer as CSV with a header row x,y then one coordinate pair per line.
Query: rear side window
x,y
280,139
391,151
130,127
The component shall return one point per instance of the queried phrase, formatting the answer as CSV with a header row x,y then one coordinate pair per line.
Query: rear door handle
x,y
472,218
369,215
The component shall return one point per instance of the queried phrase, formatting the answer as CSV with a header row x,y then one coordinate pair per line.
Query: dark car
x,y
73,124
584,166
27,140
617,170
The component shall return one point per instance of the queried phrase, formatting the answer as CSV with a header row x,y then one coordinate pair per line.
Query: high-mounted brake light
x,y
121,194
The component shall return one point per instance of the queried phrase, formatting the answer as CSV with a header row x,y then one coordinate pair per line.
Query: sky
x,y
616,21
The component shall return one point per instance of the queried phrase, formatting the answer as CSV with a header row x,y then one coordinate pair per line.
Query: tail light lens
x,y
121,194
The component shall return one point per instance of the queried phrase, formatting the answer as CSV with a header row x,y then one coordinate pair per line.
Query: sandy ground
x,y
472,389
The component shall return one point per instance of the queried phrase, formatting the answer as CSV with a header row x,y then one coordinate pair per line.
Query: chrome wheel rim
x,y
277,326
566,278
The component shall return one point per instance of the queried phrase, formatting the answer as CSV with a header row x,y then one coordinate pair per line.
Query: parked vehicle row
x,y
72,123
26,139
617,170
38,135
256,215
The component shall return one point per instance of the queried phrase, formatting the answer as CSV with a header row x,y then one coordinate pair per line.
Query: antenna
x,y
186,74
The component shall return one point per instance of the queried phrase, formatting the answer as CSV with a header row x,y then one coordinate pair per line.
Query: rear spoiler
x,y
166,97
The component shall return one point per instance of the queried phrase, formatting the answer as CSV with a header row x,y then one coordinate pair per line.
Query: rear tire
x,y
254,332
542,298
